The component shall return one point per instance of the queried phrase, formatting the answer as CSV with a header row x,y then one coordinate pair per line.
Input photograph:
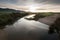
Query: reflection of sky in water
x,y
30,24
28,30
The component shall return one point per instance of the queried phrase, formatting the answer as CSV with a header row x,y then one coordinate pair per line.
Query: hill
x,y
7,10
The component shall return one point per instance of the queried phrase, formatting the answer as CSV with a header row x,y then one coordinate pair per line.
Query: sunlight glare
x,y
32,8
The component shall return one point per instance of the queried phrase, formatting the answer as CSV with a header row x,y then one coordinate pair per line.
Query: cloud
x,y
55,1
17,2
13,6
8,1
43,5
24,2
48,1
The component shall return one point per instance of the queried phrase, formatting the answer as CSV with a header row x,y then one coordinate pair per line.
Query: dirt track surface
x,y
3,35
49,20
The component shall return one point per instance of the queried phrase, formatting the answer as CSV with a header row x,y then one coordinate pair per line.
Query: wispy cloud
x,y
42,5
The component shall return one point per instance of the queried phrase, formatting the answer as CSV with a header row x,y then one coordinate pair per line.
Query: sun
x,y
32,8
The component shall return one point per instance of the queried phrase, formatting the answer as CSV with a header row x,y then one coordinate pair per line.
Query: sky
x,y
32,5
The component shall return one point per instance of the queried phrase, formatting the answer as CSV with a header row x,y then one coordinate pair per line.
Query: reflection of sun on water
x,y
30,16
